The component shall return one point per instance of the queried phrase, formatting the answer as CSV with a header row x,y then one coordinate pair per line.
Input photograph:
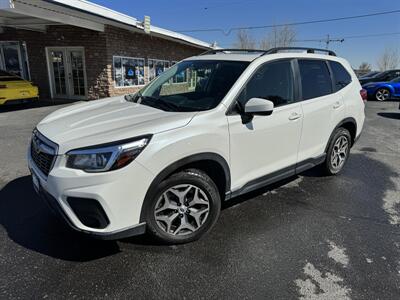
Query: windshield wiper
x,y
158,103
152,101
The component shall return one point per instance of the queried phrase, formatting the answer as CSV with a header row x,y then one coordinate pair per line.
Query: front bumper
x,y
115,235
119,193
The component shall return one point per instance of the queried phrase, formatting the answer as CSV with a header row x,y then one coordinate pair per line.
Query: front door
x,y
67,72
267,144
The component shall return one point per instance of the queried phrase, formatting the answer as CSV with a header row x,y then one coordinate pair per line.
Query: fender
x,y
346,120
179,164
389,87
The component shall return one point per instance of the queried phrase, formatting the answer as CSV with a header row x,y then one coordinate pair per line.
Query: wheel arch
x,y
386,87
350,124
389,87
206,162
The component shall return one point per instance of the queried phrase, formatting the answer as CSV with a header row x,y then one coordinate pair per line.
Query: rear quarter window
x,y
341,77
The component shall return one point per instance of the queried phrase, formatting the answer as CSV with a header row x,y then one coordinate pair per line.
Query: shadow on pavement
x,y
30,223
390,115
33,104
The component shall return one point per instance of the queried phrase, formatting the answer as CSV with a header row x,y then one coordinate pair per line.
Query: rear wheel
x,y
382,94
185,207
338,152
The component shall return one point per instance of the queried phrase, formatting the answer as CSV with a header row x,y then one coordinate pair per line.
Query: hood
x,y
107,120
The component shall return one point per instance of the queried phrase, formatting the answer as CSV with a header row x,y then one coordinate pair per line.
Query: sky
x,y
180,15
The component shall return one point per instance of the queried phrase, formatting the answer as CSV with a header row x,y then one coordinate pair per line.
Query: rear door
x,y
323,108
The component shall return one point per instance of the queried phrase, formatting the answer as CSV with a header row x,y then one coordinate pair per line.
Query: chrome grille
x,y
43,152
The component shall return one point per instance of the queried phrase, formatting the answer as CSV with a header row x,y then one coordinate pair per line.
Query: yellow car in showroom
x,y
14,89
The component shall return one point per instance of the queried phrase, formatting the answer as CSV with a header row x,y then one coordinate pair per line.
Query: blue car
x,y
382,91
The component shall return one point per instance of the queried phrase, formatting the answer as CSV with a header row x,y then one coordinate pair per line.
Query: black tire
x,y
192,177
328,167
382,94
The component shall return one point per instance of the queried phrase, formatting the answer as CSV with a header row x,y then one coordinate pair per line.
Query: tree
x,y
284,36
365,67
244,40
389,59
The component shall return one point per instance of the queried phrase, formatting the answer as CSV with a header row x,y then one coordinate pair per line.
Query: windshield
x,y
191,85
370,74
5,76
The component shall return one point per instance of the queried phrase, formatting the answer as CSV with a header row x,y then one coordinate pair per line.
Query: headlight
x,y
107,157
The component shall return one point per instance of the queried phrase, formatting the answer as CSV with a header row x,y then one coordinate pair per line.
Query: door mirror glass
x,y
259,106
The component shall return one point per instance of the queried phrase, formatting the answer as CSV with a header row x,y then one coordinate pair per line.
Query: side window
x,y
341,76
393,75
272,81
315,78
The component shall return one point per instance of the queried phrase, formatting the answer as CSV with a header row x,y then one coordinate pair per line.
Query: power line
x,y
344,38
228,32
349,37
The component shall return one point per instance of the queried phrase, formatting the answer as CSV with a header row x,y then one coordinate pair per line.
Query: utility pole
x,y
329,40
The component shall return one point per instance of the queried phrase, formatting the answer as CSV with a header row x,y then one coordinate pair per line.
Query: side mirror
x,y
259,106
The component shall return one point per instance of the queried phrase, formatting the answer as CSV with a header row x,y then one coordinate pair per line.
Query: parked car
x,y
382,91
383,76
370,74
14,89
165,158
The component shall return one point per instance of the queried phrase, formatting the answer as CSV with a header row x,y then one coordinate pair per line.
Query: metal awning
x,y
38,14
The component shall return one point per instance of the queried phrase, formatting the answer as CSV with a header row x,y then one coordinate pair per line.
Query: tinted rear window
x,y
340,75
315,78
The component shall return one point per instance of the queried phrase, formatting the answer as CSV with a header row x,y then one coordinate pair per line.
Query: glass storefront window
x,y
128,71
157,67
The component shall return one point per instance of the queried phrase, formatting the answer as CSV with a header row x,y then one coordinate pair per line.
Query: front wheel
x,y
185,207
382,94
338,152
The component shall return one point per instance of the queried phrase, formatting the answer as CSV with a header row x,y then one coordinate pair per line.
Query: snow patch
x,y
338,254
293,184
320,286
391,204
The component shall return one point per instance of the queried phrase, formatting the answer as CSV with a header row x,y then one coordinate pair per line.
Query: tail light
x,y
3,86
364,95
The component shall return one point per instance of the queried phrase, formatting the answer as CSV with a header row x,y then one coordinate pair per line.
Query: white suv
x,y
210,128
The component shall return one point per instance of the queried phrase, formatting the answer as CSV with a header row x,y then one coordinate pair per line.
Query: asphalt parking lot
x,y
309,237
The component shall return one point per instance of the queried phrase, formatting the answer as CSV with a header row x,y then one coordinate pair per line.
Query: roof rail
x,y
215,51
309,50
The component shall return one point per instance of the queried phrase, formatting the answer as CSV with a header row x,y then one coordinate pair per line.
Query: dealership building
x,y
74,49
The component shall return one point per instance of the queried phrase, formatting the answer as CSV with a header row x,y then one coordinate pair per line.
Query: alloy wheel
x,y
339,152
182,209
382,95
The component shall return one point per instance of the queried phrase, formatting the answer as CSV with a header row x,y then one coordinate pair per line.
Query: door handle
x,y
337,105
294,116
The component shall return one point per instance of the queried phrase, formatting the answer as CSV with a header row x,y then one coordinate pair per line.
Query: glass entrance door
x,y
67,72
57,66
77,74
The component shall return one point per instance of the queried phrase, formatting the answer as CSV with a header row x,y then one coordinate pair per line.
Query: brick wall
x,y
131,44
64,36
100,47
